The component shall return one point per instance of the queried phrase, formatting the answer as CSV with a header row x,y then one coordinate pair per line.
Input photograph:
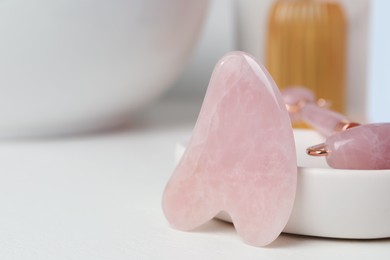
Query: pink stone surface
x,y
295,94
365,147
241,157
321,119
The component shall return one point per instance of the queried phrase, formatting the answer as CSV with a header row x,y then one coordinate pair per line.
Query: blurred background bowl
x,y
75,65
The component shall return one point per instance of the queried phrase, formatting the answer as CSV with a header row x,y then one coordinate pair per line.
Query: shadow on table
x,y
285,240
216,226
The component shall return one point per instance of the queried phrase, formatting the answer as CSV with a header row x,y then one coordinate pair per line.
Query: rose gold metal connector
x,y
318,150
344,125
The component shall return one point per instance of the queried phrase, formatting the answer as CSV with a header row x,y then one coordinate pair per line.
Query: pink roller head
x,y
295,97
241,157
325,121
365,147
302,106
295,94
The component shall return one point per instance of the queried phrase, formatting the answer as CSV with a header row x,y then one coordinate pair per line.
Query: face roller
x,y
349,145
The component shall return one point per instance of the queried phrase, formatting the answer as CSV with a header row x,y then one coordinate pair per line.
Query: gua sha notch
x,y
241,157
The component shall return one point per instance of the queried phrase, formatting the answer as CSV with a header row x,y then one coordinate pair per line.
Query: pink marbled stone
x,y
365,147
321,119
241,157
294,95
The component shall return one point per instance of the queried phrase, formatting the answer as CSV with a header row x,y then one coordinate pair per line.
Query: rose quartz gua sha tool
x,y
241,157
349,145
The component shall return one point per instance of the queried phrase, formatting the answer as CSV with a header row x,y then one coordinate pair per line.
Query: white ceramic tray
x,y
335,203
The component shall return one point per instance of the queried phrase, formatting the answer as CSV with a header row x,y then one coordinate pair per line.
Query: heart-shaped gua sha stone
x,y
241,157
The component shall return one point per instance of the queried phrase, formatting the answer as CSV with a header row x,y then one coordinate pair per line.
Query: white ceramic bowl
x,y
76,65
335,203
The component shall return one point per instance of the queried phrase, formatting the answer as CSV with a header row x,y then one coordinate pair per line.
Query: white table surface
x,y
98,196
